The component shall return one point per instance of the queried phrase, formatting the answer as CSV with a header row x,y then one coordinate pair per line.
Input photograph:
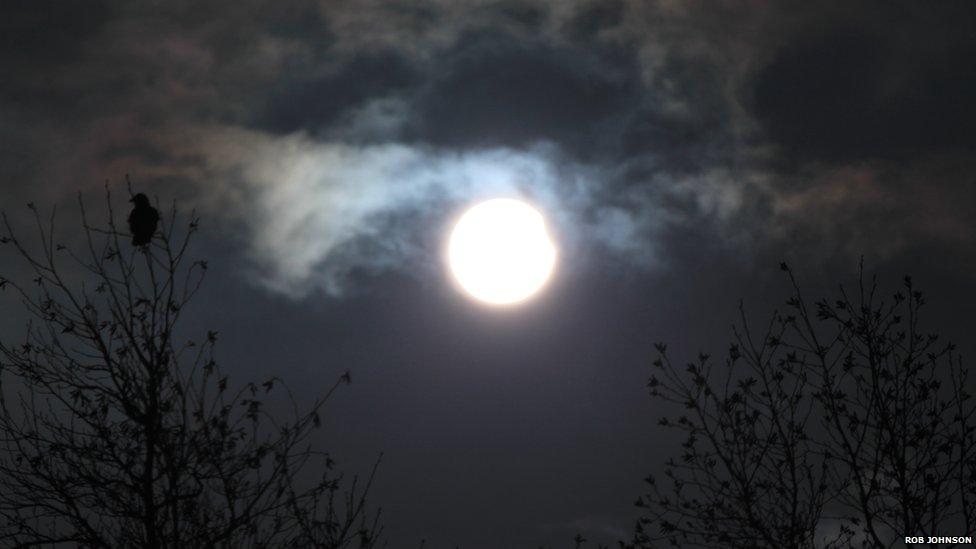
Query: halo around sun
x,y
500,251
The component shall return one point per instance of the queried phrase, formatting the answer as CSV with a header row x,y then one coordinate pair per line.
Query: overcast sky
x,y
680,150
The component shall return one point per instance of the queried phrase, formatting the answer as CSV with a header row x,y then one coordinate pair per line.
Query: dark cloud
x,y
817,97
495,90
39,42
315,104
668,116
687,139
47,33
847,93
593,17
524,14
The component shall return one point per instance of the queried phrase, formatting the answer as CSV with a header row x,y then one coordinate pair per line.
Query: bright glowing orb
x,y
500,251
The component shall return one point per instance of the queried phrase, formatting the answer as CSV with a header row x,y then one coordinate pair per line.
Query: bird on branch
x,y
143,220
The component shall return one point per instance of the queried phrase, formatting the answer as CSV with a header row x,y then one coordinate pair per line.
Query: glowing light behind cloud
x,y
314,213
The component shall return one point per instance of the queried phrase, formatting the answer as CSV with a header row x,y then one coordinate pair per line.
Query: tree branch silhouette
x,y
844,425
114,432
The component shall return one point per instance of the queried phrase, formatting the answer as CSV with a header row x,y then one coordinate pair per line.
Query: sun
x,y
500,251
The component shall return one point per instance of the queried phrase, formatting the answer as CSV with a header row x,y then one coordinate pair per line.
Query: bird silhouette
x,y
143,220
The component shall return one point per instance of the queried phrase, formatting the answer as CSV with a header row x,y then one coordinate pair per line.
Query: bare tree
x,y
115,433
845,425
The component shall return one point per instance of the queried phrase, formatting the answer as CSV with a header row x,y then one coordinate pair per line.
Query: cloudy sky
x,y
680,150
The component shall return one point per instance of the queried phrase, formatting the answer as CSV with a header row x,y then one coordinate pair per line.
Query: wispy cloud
x,y
336,133
315,211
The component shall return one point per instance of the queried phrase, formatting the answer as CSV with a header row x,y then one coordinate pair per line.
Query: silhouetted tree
x,y
115,433
844,425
